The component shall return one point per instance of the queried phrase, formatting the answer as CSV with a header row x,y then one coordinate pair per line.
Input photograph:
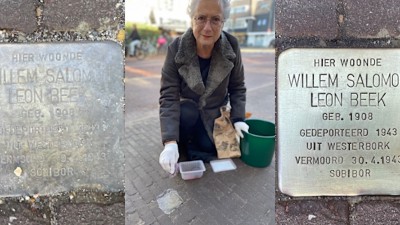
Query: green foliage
x,y
146,31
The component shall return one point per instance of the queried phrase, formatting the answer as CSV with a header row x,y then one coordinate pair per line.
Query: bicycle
x,y
141,50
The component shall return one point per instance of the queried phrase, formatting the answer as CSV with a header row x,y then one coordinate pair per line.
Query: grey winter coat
x,y
181,81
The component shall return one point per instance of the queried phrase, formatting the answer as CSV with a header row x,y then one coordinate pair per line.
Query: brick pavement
x,y
243,196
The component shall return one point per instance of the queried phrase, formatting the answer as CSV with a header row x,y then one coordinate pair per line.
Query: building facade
x,y
252,22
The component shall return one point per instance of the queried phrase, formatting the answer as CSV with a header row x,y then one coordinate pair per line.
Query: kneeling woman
x,y
202,71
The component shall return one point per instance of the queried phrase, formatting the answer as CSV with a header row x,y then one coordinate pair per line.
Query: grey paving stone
x,y
376,212
164,220
312,212
306,18
22,214
80,15
133,218
24,20
146,215
372,19
155,210
91,214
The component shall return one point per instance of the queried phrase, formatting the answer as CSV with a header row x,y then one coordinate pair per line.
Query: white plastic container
x,y
191,169
221,165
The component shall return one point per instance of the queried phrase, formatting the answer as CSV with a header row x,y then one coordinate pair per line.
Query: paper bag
x,y
224,134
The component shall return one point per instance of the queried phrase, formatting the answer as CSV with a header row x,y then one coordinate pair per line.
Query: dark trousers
x,y
194,144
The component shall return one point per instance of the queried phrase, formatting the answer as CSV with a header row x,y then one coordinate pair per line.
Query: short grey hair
x,y
226,7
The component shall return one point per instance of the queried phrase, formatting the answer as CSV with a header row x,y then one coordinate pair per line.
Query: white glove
x,y
169,157
241,126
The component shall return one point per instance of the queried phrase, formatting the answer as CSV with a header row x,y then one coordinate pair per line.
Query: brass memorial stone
x,y
61,117
338,122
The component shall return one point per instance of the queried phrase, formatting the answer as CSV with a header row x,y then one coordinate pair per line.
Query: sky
x,y
139,10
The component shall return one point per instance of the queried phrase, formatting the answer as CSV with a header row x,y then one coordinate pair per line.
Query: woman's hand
x,y
169,157
241,126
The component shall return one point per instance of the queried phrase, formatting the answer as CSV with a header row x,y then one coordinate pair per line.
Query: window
x,y
264,22
240,23
240,9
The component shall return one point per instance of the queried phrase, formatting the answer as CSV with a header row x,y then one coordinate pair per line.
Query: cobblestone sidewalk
x,y
242,196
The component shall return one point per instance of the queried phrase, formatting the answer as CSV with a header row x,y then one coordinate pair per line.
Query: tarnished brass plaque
x,y
61,117
338,122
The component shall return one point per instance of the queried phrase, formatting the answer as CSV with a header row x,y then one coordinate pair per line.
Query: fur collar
x,y
221,64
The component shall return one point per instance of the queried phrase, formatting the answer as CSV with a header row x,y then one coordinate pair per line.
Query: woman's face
x,y
207,23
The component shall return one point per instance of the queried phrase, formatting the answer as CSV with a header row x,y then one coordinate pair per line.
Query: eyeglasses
x,y
214,21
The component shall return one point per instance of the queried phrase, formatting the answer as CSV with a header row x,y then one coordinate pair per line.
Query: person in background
x,y
134,39
161,43
202,71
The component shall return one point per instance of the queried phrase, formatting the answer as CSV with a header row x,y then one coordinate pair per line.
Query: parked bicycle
x,y
141,50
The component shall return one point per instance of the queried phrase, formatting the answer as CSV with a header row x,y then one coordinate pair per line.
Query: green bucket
x,y
258,145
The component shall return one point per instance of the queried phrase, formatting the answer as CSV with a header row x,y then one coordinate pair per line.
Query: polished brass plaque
x,y
338,122
61,117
